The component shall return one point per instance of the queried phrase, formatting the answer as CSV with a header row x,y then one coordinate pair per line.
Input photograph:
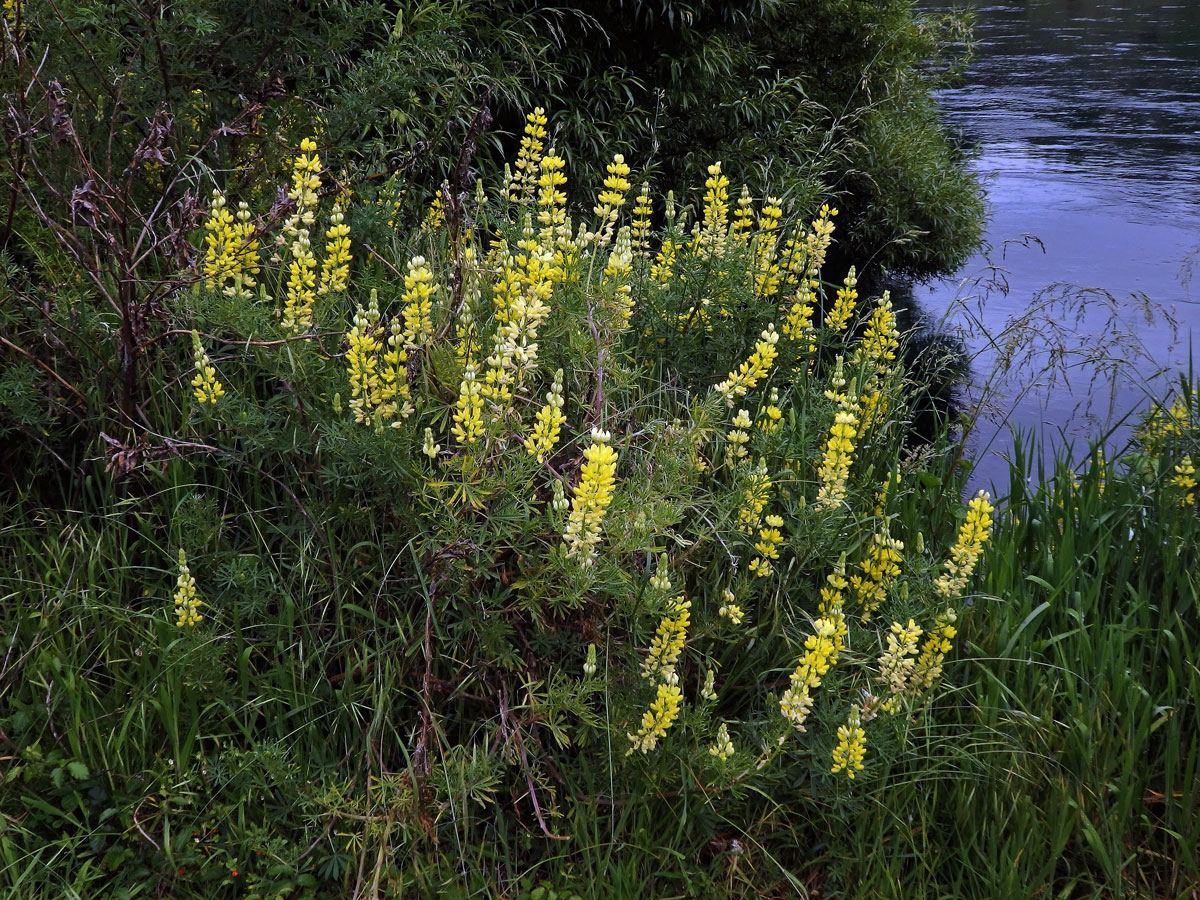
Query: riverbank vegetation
x,y
383,521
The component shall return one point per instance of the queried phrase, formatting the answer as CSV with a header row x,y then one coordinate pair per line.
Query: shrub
x,y
508,547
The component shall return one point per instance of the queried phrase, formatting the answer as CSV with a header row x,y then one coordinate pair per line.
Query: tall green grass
x,y
1067,763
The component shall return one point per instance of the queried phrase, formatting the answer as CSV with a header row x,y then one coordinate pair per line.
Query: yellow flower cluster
x,y
362,361
552,200
616,281
301,287
1185,479
207,388
664,262
335,271
843,305
880,567
836,457
965,553
11,10
820,653
766,270
549,422
767,545
897,662
798,322
933,652
429,448
523,287
468,410
1166,423
435,216
743,217
753,370
722,749
655,721
711,232
882,338
668,642
770,416
737,438
833,603
730,609
610,200
529,156
379,390
187,603
231,249
642,211
592,497
417,298
757,495
851,748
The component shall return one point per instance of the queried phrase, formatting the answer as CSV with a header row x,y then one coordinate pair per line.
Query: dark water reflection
x,y
1086,119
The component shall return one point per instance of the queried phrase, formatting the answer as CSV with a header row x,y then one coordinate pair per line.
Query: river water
x,y
1085,117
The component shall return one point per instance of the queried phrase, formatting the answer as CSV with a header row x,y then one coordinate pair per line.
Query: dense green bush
x,y
513,552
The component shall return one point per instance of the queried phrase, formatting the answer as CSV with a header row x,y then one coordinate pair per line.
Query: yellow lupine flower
x,y
668,642
418,302
766,270
712,231
820,653
836,457
468,411
642,211
967,549
616,280
730,609
589,506
611,199
743,217
549,422
753,370
767,545
335,271
843,306
737,438
880,567
220,255
897,663
852,746
362,361
1185,479
430,449
207,388
187,603
882,338
933,652
658,719
529,156
300,291
395,395
552,200
663,269
832,604
11,10
757,495
435,216
723,748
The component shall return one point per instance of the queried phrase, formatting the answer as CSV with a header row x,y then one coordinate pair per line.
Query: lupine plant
x,y
541,515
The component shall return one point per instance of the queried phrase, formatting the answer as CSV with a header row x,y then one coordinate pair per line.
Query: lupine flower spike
x,y
207,388
187,603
